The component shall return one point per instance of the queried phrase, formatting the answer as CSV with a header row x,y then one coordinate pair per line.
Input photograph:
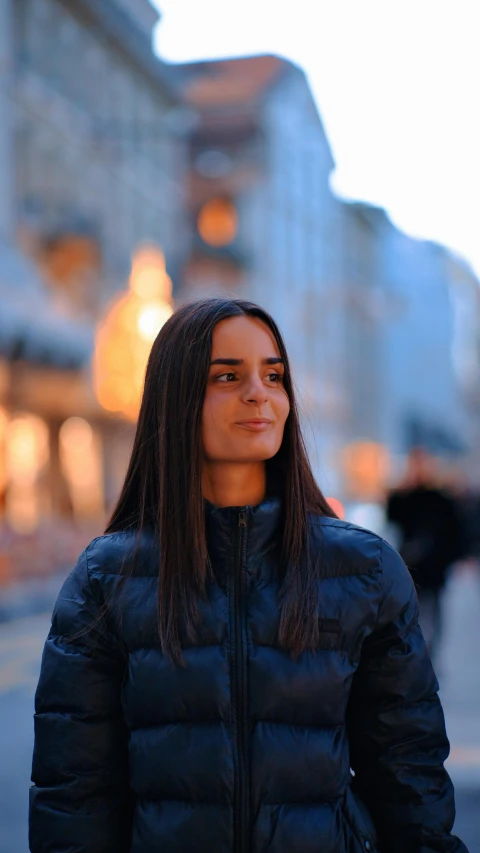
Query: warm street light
x,y
124,339
366,466
218,222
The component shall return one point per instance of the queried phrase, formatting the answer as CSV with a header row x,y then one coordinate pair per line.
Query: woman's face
x,y
246,405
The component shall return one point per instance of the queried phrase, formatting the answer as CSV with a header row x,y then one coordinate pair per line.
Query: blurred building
x,y
424,403
411,354
465,300
225,165
364,315
98,167
263,219
366,311
91,164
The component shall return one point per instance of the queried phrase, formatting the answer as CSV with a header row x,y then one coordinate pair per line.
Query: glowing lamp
x,y
125,337
218,222
366,466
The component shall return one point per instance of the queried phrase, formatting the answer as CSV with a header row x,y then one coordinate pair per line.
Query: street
x,y
21,642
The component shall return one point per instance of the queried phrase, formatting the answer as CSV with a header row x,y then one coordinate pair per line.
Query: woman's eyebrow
x,y
234,361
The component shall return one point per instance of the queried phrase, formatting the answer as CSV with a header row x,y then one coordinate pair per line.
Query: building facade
x,y
225,165
98,168
410,345
424,403
263,221
366,311
91,166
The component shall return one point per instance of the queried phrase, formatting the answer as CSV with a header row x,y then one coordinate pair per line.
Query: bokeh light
x,y
125,338
26,454
218,222
81,462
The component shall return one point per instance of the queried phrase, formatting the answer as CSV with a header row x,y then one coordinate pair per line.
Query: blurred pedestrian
x,y
466,495
229,649
431,536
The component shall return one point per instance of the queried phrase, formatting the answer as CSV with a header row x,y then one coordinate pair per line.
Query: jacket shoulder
x,y
342,527
343,548
83,591
113,552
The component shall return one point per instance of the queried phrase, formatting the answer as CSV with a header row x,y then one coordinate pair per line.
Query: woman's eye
x,y
274,378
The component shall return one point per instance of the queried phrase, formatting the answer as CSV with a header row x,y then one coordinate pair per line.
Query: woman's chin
x,y
256,451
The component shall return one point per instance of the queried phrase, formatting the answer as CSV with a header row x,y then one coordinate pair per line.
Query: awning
x,y
32,326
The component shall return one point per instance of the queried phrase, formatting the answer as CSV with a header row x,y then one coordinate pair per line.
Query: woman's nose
x,y
255,391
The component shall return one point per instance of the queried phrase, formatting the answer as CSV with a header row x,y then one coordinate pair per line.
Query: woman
x,y
222,657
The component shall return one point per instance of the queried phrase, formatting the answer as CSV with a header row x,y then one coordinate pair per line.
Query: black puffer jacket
x,y
245,750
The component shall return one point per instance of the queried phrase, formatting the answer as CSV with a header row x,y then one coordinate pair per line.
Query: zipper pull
x,y
242,518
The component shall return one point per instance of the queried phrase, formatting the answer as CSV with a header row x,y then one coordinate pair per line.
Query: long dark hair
x,y
163,483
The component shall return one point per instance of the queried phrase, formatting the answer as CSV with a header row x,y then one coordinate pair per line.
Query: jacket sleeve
x,y
79,798
398,741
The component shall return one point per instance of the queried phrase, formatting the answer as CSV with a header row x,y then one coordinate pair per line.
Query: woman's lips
x,y
255,425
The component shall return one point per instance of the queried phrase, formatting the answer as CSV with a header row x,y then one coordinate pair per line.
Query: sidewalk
x,y
30,596
458,672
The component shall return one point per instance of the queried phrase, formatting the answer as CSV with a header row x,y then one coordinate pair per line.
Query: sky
x,y
397,85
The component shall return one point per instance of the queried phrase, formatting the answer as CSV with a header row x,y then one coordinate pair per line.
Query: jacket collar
x,y
262,523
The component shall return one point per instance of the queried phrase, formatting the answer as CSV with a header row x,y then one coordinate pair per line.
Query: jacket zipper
x,y
241,788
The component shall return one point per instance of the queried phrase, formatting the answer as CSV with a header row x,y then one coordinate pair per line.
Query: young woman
x,y
230,668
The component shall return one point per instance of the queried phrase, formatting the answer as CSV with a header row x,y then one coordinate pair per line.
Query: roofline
x,y
212,60
368,211
319,118
287,67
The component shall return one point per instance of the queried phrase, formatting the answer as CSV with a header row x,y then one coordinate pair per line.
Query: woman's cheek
x,y
285,406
